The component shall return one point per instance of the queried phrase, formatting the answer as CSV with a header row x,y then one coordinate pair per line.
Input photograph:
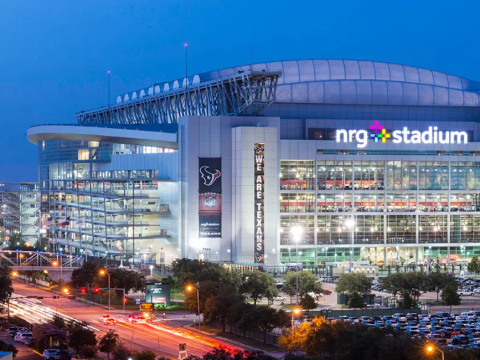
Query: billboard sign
x,y
259,156
210,197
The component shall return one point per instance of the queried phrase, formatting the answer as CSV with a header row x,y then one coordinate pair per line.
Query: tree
x,y
121,352
84,276
308,303
43,332
392,283
450,296
109,342
145,355
267,319
258,284
415,283
218,308
58,321
6,289
242,315
211,279
474,265
88,351
407,301
307,282
342,340
79,337
354,283
355,301
439,280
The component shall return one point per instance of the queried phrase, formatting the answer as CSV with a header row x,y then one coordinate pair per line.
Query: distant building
x,y
222,165
19,211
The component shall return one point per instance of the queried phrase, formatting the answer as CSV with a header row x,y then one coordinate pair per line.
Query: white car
x,y
280,298
465,293
21,337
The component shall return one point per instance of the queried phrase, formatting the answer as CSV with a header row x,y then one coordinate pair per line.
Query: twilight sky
x,y
55,54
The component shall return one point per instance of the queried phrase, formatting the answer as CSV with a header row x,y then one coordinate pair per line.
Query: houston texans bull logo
x,y
208,177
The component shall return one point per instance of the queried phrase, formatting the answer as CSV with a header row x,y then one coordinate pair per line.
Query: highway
x,y
163,340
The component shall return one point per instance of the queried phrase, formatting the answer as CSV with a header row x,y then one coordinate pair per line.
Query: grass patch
x,y
290,306
207,328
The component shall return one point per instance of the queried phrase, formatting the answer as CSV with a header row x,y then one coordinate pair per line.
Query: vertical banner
x,y
259,256
210,197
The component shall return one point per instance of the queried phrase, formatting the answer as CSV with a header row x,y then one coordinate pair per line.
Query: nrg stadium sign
x,y
380,134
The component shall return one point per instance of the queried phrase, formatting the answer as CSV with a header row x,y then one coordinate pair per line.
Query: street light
x,y
102,273
190,288
297,232
296,312
431,349
151,270
15,274
350,223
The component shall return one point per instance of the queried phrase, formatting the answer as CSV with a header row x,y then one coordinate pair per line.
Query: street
x,y
163,340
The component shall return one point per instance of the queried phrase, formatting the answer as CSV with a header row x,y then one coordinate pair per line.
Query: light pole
x,y
431,349
105,272
296,312
297,232
350,223
190,288
151,270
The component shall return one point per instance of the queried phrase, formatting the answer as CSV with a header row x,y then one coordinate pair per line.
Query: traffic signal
x,y
97,290
83,290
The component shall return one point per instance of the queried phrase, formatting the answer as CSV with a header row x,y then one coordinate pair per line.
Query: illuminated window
x,y
93,144
83,154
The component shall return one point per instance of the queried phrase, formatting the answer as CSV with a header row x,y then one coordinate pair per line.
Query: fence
x,y
255,335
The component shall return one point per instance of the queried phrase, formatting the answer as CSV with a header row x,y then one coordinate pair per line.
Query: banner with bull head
x,y
210,197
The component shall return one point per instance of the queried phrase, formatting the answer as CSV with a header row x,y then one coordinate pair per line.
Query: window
x,y
83,154
297,175
401,229
297,202
402,175
432,229
307,222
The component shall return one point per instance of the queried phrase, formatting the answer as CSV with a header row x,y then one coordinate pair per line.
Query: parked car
x,y
20,337
460,340
51,354
465,293
280,298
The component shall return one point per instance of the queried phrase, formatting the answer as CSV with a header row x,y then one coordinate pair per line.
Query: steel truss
x,y
38,259
245,93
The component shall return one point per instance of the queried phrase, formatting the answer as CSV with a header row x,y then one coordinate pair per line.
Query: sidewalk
x,y
276,354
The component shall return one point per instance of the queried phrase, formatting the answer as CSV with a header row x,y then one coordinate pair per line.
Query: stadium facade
x,y
375,162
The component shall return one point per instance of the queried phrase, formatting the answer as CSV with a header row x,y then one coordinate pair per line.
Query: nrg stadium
x,y
310,161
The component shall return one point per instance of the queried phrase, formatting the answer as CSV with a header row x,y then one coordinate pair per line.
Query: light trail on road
x,y
162,339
